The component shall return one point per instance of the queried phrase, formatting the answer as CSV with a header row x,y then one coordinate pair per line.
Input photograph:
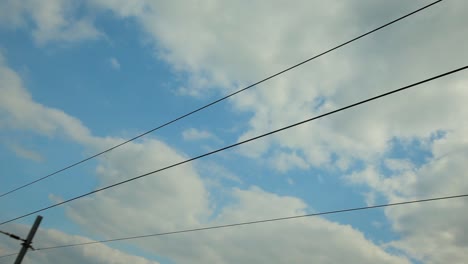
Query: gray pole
x,y
28,241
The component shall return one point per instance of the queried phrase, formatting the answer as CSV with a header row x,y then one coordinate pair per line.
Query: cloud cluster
x,y
222,46
192,134
267,37
178,199
25,153
19,111
299,241
225,45
433,233
53,20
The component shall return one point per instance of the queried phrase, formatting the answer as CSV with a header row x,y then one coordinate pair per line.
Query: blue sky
x,y
78,78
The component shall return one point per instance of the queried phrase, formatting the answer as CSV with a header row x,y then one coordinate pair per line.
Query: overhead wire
x,y
12,236
220,99
9,255
242,142
262,221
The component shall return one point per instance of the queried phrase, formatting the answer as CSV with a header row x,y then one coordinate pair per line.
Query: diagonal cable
x,y
263,221
12,236
9,255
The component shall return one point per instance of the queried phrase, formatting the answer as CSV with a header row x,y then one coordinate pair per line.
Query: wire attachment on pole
x,y
27,243
12,236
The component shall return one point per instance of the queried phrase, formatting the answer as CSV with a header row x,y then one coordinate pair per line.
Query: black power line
x,y
12,235
219,100
9,255
241,142
17,238
261,221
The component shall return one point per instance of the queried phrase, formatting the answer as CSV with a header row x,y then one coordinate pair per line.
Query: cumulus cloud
x,y
19,111
283,161
160,198
265,43
432,233
53,21
267,37
26,153
215,174
273,242
192,134
177,199
224,52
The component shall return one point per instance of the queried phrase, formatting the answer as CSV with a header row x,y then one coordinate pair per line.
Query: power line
x,y
9,255
241,143
12,235
261,221
219,100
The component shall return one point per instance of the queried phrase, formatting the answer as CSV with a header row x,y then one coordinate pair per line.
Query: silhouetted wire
x,y
252,222
11,235
219,100
14,237
240,143
9,255
261,221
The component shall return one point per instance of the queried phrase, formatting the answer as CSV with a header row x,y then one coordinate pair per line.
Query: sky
x,y
78,77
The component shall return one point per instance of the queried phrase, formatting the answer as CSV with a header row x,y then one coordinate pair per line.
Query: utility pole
x,y
27,243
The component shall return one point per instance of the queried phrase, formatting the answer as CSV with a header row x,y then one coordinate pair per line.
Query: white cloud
x,y
114,63
160,198
11,14
244,44
431,232
19,111
192,134
283,161
216,173
26,153
398,164
262,43
287,241
177,199
53,20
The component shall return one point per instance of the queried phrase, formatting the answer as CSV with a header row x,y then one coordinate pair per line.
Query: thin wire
x,y
5,233
9,255
221,99
261,221
241,142
12,235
